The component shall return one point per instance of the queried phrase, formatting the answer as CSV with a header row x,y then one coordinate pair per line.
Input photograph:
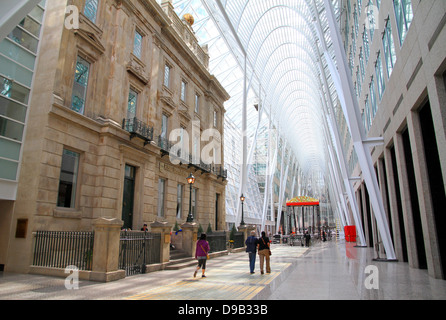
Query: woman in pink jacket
x,y
201,254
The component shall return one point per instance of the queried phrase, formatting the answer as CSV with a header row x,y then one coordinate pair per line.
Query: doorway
x,y
128,197
217,200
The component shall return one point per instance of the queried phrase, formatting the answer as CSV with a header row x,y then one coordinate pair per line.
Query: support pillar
x,y
190,233
164,229
106,250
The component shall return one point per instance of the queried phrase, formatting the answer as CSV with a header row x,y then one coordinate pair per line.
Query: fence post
x,y
106,250
190,230
164,229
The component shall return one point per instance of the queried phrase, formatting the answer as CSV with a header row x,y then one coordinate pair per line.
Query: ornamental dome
x,y
189,18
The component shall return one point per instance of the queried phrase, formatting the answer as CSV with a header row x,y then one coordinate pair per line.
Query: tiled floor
x,y
331,271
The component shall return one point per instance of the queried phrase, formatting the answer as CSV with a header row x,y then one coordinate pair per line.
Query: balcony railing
x,y
139,129
186,158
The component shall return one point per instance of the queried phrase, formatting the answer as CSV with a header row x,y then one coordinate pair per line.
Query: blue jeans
x,y
252,261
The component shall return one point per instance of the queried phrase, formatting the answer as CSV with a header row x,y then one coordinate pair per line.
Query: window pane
x,y
197,103
166,75
37,13
179,200
131,105
11,129
80,85
8,169
161,186
68,179
24,39
9,149
13,90
137,44
16,72
194,201
30,25
91,10
12,109
15,52
183,91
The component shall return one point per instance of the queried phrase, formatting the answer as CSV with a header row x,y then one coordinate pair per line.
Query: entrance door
x,y
217,196
127,199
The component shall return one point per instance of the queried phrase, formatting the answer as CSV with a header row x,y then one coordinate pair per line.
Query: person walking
x,y
251,248
264,249
201,254
307,239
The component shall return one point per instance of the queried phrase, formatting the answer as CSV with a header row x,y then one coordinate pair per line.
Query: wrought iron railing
x,y
219,171
138,249
59,249
217,241
239,240
138,128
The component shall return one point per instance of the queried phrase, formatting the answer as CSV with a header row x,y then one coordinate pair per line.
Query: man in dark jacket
x,y
251,248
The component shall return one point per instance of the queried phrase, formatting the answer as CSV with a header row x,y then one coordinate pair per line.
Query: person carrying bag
x,y
263,246
202,254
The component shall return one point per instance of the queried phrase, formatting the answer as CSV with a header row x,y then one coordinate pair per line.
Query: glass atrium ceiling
x,y
284,64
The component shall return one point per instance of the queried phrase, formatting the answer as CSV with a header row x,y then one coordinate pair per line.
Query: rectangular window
x,y
137,44
380,76
91,10
179,200
164,123
12,70
80,85
68,179
23,38
404,16
132,103
389,48
215,119
167,76
161,196
373,102
13,90
183,90
197,102
194,202
11,129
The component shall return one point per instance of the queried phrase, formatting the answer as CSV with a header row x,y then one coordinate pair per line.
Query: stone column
x,y
246,229
106,250
190,230
164,229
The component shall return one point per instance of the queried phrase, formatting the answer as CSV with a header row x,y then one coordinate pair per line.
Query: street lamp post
x,y
242,199
190,180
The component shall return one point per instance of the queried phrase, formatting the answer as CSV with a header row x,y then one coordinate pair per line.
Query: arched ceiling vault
x,y
282,49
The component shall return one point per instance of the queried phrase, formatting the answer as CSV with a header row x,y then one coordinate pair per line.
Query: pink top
x,y
202,248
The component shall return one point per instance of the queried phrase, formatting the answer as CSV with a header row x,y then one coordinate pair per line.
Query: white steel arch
x,y
277,46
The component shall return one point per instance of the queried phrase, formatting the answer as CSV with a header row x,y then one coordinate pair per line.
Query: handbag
x,y
268,247
207,255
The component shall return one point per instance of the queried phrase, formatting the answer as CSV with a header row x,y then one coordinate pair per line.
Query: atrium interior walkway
x,y
328,271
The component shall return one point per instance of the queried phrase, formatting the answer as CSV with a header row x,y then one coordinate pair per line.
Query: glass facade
x,y
18,54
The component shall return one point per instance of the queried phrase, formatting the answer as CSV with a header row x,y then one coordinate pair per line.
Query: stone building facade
x,y
107,96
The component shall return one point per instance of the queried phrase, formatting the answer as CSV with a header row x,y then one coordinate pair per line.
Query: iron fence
x,y
138,249
59,249
217,241
239,240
